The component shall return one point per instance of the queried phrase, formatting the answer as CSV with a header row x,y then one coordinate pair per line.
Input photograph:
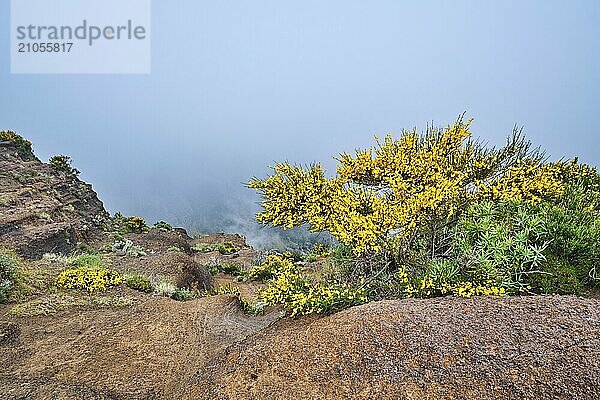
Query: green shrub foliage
x,y
9,263
63,164
123,225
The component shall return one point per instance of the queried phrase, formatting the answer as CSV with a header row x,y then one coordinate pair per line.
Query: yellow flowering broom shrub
x,y
123,225
400,186
437,213
300,295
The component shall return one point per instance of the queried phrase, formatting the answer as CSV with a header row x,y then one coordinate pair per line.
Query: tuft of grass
x,y
229,268
128,248
226,248
202,248
87,249
183,294
87,261
138,282
246,306
163,286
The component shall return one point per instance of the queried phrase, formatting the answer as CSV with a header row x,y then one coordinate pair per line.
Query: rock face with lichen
x,y
43,210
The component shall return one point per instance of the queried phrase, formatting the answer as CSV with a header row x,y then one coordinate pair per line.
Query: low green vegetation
x,y
89,273
163,226
127,247
87,249
86,261
246,306
183,294
272,266
9,264
159,285
163,286
228,268
138,282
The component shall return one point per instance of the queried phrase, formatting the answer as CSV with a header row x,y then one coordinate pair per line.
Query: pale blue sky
x,y
237,85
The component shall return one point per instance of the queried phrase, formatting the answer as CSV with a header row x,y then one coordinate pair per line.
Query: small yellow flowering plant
x,y
88,272
91,279
135,224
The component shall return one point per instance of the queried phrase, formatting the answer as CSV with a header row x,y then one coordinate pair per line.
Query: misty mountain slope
x,y
131,342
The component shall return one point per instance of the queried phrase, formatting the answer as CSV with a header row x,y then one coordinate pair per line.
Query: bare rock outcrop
x,y
533,347
43,210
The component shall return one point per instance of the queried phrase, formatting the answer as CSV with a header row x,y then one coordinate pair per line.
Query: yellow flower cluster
x,y
221,290
467,289
272,266
584,178
299,296
90,279
429,287
10,136
135,224
528,182
400,184
321,250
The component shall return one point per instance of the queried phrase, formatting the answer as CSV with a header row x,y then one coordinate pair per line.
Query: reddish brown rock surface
x,y
42,210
